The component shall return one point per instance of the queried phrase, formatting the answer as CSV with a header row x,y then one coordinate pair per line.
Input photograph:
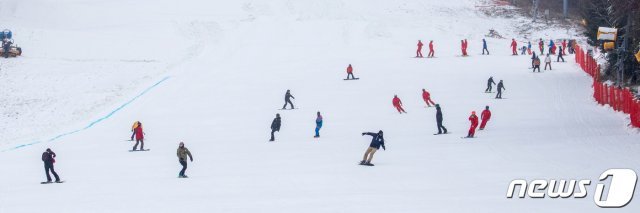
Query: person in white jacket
x,y
547,62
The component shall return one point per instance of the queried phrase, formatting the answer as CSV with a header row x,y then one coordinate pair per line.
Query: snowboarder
x,y
376,142
552,47
541,45
536,64
529,47
485,116
183,152
547,62
564,46
318,125
484,47
275,126
441,128
431,52
500,88
474,123
560,54
349,73
533,59
490,84
397,103
48,157
133,128
463,47
139,137
287,99
419,51
514,46
426,96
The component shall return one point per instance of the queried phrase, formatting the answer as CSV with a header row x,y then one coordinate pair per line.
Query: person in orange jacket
x,y
514,46
426,96
474,123
350,72
419,51
397,103
431,52
485,116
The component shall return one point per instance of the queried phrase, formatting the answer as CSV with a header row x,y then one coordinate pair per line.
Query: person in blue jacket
x,y
318,125
376,142
484,47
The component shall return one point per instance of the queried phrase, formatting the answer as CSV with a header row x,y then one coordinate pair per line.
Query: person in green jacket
x,y
183,152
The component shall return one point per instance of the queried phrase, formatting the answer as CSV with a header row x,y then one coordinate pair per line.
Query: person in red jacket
x,y
430,49
564,46
514,46
397,103
419,51
541,45
427,98
350,72
485,116
474,123
139,137
464,47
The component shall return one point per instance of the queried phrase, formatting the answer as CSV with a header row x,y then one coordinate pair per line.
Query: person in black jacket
x,y
287,99
275,126
560,54
500,88
376,142
439,120
490,84
48,157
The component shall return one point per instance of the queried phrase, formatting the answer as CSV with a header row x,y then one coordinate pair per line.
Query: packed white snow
x,y
213,74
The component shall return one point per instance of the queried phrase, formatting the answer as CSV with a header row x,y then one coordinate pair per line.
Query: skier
x,y
541,45
139,137
523,50
560,54
48,157
490,84
529,47
474,123
349,73
536,64
376,142
552,47
318,125
514,46
431,52
426,96
485,116
275,126
547,62
441,128
464,47
484,47
183,152
419,51
287,99
564,46
133,128
397,103
500,88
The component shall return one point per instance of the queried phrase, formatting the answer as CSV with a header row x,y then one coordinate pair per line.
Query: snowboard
x,y
289,109
489,92
139,150
351,79
467,137
183,177
365,164
442,133
51,182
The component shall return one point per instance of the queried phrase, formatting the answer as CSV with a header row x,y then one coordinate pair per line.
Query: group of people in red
x,y
473,118
419,51
397,103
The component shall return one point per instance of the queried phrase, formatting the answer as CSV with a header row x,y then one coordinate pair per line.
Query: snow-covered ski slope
x,y
224,67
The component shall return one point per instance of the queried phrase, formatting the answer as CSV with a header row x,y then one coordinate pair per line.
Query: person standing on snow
x,y
133,128
514,46
547,62
560,54
485,116
376,142
139,137
426,96
431,52
318,125
474,124
48,157
439,119
419,51
463,47
484,47
500,88
533,59
183,152
523,50
287,99
529,47
275,126
564,46
536,64
552,47
541,45
490,84
397,103
349,73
